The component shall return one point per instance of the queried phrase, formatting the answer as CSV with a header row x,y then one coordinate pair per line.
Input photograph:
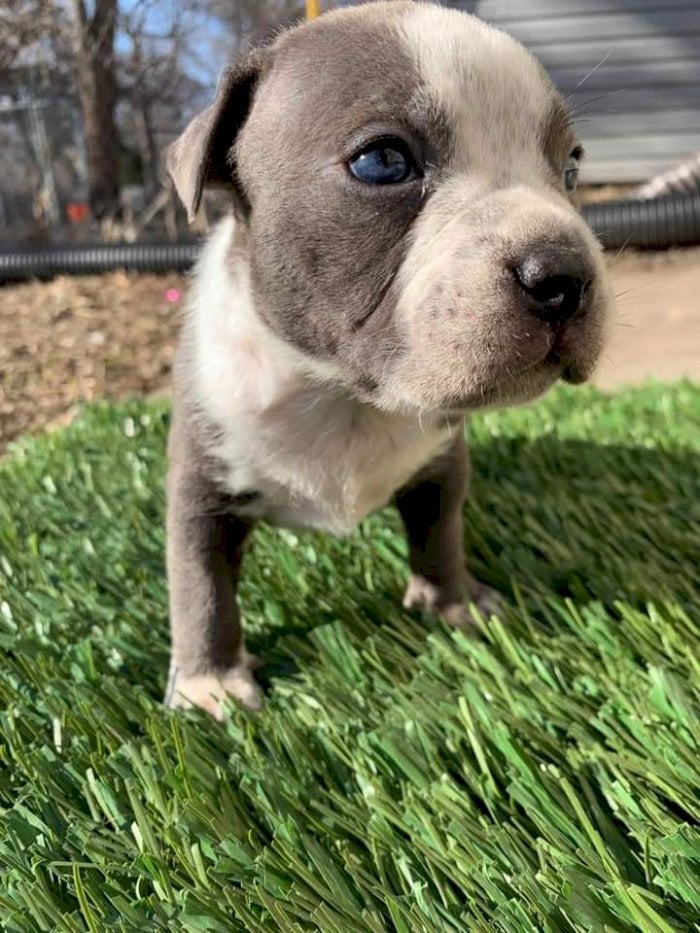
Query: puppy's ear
x,y
203,154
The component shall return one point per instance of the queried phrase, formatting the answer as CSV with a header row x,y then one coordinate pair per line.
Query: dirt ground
x,y
656,324
75,339
72,340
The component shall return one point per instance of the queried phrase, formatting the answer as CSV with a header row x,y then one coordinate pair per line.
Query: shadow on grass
x,y
551,518
586,521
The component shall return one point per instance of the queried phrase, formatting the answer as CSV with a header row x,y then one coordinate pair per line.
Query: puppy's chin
x,y
491,390
469,393
519,388
513,389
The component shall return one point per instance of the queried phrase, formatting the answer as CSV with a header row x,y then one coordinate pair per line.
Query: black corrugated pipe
x,y
93,260
672,220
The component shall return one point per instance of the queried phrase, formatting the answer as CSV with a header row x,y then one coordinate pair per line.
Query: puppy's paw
x,y
489,602
422,594
208,691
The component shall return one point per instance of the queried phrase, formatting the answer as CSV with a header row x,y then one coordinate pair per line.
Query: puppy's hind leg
x,y
431,509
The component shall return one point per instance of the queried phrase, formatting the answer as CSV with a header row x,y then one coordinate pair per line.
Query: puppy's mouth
x,y
570,372
559,361
559,356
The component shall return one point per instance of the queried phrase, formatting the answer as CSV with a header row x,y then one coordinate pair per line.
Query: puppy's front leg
x,y
431,509
204,552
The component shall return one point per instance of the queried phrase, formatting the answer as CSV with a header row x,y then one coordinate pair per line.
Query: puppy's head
x,y
402,175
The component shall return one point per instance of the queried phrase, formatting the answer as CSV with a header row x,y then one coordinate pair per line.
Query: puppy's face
x,y
403,177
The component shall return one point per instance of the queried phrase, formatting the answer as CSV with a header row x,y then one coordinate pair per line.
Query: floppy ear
x,y
202,155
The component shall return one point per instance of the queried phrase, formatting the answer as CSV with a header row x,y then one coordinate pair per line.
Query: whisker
x,y
616,257
593,70
628,291
594,100
601,233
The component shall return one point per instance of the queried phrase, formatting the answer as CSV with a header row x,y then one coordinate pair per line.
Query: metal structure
x,y
630,69
34,111
44,135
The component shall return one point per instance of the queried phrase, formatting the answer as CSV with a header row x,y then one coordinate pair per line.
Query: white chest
x,y
323,461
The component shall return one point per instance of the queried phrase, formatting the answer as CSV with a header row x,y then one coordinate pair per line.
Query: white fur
x,y
290,430
208,691
478,74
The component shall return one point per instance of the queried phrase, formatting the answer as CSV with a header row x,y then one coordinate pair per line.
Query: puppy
x,y
402,250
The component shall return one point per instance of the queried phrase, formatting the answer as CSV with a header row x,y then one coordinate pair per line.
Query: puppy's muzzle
x,y
554,283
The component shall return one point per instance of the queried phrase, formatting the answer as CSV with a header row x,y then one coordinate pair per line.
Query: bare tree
x,y
137,69
250,21
151,75
23,25
97,93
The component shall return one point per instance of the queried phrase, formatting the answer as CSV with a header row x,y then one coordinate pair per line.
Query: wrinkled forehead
x,y
447,75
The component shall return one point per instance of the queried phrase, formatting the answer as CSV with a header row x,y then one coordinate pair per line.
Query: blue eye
x,y
571,169
386,162
571,178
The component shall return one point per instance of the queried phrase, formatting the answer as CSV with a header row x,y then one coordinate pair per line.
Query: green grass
x,y
542,777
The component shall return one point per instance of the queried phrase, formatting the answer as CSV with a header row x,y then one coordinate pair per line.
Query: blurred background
x,y
90,95
92,92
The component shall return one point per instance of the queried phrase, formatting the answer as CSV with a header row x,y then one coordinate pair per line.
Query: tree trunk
x,y
97,92
141,101
150,158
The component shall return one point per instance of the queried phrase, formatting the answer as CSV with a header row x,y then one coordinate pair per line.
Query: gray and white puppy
x,y
402,250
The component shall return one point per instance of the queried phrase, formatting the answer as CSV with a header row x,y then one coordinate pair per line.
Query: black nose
x,y
555,281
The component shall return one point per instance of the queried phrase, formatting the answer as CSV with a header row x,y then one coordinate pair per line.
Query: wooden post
x,y
312,9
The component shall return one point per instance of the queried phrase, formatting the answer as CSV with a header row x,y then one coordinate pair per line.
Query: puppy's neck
x,y
238,364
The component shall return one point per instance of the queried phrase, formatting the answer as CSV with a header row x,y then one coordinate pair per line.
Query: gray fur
x,y
337,333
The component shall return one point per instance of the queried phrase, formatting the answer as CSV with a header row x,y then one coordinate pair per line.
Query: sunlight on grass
x,y
540,777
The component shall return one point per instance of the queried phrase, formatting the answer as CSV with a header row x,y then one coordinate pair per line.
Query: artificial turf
x,y
544,776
